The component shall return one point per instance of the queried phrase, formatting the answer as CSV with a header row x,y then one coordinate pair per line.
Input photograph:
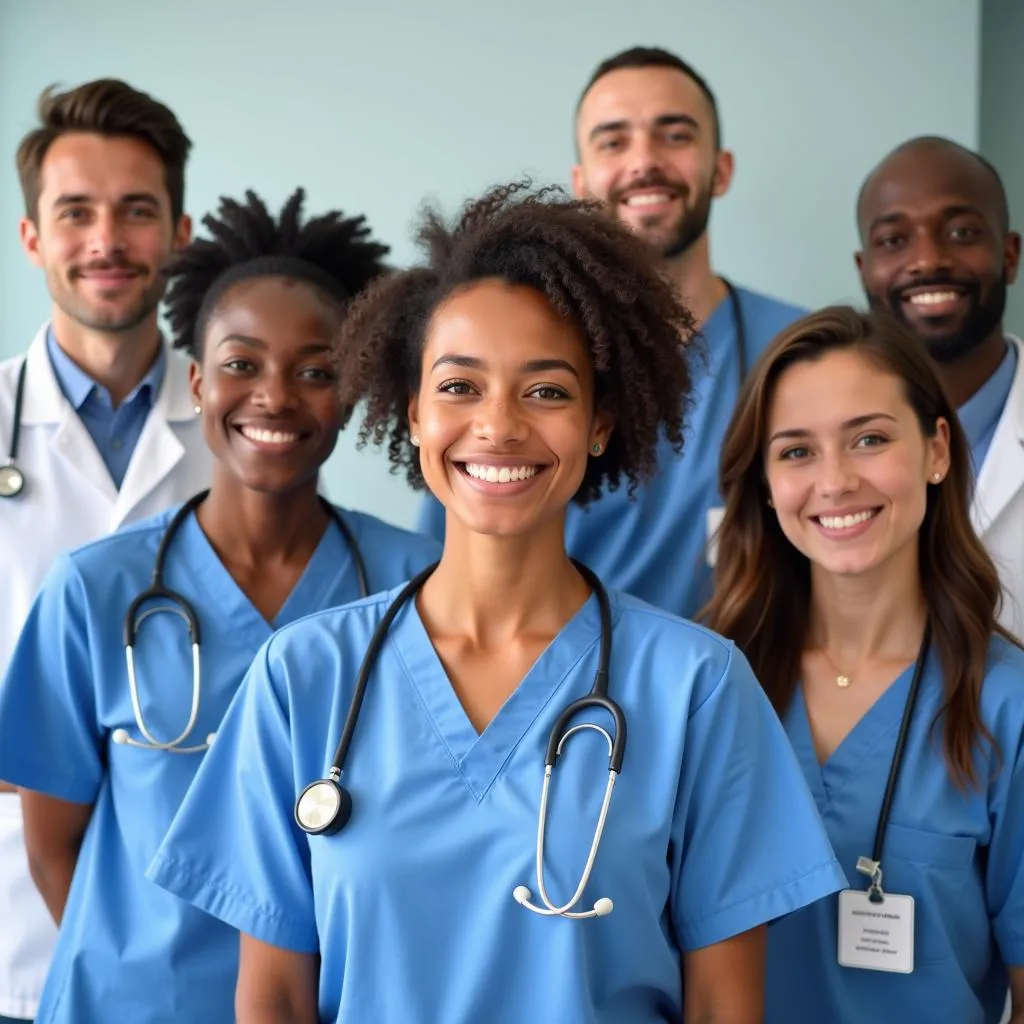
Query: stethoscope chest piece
x,y
12,481
323,807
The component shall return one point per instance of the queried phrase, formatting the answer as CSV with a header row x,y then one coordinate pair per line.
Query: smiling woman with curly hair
x,y
532,359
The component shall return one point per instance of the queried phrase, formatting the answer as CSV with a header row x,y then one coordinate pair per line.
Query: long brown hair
x,y
763,583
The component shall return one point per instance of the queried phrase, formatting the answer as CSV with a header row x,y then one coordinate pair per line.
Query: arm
x,y
6,787
53,836
1016,996
724,983
276,986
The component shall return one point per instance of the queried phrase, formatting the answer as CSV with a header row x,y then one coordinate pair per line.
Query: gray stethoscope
x,y
12,480
179,605
324,806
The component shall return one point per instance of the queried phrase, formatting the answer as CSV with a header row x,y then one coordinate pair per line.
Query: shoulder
x,y
375,531
767,315
128,544
1003,689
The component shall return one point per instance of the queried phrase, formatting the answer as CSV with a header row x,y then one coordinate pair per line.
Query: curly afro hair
x,y
592,270
331,251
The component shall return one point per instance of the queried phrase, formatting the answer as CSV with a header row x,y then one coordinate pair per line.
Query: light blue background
x,y
377,106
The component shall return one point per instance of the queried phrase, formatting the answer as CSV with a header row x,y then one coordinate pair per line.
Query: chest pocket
x,y
940,872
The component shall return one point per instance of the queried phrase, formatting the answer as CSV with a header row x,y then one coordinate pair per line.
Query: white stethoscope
x,y
12,480
324,806
176,603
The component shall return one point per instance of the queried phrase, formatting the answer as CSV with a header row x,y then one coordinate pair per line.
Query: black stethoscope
x,y
740,325
179,605
325,806
12,480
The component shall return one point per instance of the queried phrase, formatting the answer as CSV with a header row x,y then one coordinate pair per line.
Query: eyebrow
x,y
956,210
662,121
530,366
77,198
251,342
857,421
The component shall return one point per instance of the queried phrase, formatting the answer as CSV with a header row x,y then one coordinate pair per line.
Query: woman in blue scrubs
x,y
256,306
852,579
535,358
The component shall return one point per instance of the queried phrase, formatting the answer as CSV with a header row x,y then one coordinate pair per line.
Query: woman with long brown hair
x,y
849,574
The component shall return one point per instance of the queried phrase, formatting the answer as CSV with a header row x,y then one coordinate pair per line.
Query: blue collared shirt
x,y
115,432
980,414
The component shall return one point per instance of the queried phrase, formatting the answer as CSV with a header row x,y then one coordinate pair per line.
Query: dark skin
x,y
936,251
265,367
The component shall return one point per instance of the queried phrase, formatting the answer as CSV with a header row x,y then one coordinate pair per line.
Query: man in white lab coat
x,y
105,431
937,250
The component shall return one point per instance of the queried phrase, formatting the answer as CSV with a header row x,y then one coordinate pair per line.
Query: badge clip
x,y
873,869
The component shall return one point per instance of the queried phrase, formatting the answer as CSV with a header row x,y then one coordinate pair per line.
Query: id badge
x,y
876,936
713,521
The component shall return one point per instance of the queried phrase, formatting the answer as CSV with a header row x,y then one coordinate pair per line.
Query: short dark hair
x,y
655,57
110,107
332,252
592,270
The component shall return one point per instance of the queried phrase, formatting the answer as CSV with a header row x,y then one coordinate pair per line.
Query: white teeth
x,y
648,199
845,522
500,475
269,436
933,298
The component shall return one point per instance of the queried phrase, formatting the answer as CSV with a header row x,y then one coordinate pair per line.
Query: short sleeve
x,y
234,850
748,845
431,518
1004,880
50,738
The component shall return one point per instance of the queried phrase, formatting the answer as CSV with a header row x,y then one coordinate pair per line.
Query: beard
x,y
123,317
673,239
984,315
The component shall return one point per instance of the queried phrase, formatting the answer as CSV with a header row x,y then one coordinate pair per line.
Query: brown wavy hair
x,y
763,583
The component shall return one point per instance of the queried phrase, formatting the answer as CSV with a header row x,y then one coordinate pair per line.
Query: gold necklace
x,y
842,679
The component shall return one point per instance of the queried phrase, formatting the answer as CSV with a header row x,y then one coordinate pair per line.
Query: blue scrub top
x,y
127,950
711,830
655,545
959,854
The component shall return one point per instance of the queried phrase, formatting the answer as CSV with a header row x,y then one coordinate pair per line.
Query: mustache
x,y
653,179
970,288
115,264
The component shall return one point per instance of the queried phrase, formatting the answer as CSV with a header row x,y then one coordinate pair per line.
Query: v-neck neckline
x,y
310,591
479,757
875,729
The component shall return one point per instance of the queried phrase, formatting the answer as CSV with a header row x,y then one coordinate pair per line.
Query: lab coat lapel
x,y
1002,474
158,449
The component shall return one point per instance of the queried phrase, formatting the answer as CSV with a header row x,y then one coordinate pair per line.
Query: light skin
x,y
265,366
843,441
506,383
103,233
935,252
646,144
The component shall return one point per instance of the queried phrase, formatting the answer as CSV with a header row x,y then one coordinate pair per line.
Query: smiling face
x,y
936,250
848,465
646,139
505,409
266,385
103,230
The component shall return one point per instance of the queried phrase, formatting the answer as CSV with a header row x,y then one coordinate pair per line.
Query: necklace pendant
x,y
842,682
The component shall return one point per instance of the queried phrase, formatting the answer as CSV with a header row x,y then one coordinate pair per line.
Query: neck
x,y
965,377
694,279
116,360
864,618
250,528
493,588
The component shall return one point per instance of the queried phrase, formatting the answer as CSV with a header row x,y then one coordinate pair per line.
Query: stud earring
x,y
198,408
596,448
936,477
415,440
771,504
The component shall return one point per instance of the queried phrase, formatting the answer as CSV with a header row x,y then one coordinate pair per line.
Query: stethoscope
x,y
325,806
12,480
740,325
179,605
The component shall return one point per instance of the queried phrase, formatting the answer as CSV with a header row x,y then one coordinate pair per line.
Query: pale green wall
x,y
375,106
1002,115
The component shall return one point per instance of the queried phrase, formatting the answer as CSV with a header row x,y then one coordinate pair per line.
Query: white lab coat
x,y
68,500
998,510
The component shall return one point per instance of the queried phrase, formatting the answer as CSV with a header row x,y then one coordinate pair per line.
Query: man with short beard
x,y
937,252
648,138
98,409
